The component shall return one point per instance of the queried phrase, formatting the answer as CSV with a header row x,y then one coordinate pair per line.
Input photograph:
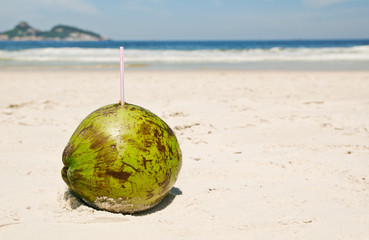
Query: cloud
x,y
217,3
321,3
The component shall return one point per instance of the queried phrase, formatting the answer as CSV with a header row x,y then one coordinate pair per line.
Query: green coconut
x,y
122,158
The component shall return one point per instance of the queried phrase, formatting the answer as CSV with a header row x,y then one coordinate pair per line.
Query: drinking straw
x,y
121,76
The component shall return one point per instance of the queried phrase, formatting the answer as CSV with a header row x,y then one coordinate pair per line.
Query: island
x,y
24,32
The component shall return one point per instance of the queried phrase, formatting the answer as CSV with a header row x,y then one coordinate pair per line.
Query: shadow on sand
x,y
167,200
74,201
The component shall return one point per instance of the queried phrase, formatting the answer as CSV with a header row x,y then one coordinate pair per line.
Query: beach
x,y
266,154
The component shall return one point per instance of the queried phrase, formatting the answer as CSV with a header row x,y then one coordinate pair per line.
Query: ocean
x,y
248,55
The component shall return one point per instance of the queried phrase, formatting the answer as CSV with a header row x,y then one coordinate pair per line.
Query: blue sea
x,y
248,55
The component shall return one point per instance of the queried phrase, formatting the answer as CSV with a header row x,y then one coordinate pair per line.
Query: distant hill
x,y
24,32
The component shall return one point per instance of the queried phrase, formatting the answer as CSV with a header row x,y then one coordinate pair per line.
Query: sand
x,y
266,155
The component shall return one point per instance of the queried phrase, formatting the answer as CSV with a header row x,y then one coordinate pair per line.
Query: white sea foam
x,y
111,56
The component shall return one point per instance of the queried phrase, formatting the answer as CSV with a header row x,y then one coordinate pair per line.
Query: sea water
x,y
249,55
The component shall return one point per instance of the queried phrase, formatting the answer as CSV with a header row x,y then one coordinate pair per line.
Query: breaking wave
x,y
74,55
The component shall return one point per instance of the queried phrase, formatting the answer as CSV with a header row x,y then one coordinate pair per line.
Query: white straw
x,y
121,76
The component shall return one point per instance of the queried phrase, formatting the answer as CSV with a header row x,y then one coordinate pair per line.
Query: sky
x,y
196,19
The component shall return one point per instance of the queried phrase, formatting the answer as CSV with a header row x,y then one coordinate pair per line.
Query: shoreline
x,y
97,68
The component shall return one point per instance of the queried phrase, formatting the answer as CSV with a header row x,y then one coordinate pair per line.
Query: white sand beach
x,y
266,155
